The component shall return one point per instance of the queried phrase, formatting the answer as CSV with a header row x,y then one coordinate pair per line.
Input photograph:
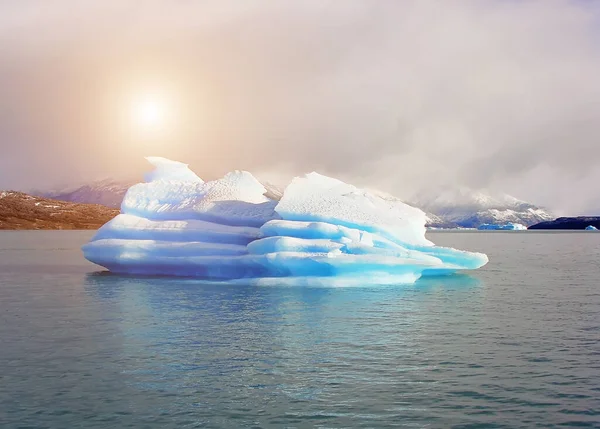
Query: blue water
x,y
514,345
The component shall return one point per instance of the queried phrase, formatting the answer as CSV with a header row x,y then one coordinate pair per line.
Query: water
x,y
514,345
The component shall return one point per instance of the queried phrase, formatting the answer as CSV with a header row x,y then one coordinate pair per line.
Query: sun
x,y
149,113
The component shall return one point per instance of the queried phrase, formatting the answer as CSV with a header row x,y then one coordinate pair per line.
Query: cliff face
x,y
22,211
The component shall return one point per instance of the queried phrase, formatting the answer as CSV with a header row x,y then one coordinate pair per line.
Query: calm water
x,y
514,345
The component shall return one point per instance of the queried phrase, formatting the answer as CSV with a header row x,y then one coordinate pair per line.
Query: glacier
x,y
321,231
510,226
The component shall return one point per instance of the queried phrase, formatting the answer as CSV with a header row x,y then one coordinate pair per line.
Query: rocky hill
x,y
22,211
579,222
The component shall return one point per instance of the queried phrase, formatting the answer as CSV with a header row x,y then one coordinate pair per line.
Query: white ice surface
x,y
322,231
504,227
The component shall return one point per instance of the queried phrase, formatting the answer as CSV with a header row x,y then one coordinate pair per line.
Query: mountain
x,y
108,193
435,221
22,211
446,208
469,208
579,222
274,192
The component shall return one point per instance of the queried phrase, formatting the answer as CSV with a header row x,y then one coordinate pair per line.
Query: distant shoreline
x,y
23,212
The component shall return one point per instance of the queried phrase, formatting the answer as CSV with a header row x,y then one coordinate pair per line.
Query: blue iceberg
x,y
591,228
321,232
503,227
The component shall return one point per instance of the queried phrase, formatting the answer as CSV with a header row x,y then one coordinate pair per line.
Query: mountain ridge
x,y
459,207
106,192
468,208
569,223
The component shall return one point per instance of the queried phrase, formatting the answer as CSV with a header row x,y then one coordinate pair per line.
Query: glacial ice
x,y
591,228
505,227
321,232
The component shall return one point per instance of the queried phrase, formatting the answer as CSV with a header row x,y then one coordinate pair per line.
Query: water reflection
x,y
99,350
185,335
450,282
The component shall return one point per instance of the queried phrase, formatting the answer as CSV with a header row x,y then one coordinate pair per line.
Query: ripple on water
x,y
514,345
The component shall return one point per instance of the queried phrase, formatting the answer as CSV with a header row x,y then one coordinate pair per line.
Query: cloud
x,y
396,95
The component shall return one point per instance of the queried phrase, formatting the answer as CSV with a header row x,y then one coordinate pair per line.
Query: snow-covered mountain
x,y
470,208
274,192
447,208
110,192
107,192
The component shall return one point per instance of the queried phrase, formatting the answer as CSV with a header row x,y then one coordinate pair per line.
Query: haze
x,y
398,95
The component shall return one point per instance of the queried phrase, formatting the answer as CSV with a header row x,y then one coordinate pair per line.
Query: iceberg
x,y
591,228
503,227
318,231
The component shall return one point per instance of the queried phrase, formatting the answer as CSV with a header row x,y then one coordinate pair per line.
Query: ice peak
x,y
169,170
321,231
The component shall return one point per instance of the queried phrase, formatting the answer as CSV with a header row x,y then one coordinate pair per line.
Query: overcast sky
x,y
399,95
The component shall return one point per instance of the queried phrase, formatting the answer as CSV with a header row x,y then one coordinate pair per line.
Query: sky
x,y
395,95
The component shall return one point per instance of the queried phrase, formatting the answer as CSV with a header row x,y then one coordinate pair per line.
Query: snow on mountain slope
x,y
470,208
110,193
444,208
274,192
107,192
431,219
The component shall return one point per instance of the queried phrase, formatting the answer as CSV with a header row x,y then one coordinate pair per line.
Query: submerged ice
x,y
321,231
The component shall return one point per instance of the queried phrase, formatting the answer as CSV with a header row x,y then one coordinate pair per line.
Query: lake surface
x,y
513,345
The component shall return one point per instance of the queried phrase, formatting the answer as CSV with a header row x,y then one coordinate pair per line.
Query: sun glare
x,y
148,113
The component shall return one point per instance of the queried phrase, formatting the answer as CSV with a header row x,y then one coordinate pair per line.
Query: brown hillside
x,y
23,211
